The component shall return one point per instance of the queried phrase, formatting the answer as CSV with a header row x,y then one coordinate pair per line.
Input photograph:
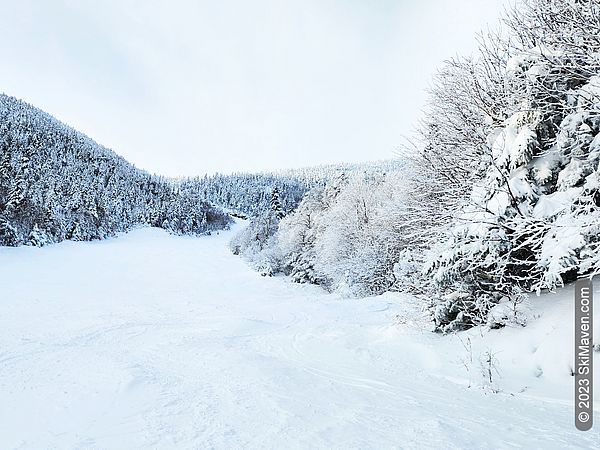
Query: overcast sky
x,y
191,87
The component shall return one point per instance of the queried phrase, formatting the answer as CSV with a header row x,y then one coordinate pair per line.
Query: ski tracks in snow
x,y
157,341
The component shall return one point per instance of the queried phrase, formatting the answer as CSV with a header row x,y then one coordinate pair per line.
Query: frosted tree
x,y
344,237
296,238
276,203
531,221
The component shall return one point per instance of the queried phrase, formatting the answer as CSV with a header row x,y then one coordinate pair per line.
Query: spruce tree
x,y
276,203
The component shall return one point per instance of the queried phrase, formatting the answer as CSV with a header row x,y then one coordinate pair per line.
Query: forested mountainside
x,y
502,196
251,194
57,184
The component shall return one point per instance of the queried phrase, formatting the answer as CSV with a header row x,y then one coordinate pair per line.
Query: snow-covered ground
x,y
156,341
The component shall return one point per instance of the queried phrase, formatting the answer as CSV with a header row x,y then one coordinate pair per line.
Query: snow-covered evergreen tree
x,y
532,220
276,203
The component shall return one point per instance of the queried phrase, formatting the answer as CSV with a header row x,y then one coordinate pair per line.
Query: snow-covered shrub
x,y
407,271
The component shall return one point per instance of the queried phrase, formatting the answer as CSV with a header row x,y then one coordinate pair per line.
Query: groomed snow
x,y
156,341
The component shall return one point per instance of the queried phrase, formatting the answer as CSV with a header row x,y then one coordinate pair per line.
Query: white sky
x,y
192,87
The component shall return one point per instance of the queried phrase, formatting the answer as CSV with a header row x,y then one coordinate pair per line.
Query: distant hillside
x,y
251,193
57,184
328,172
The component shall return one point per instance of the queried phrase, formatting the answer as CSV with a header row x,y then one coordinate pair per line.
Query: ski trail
x,y
157,341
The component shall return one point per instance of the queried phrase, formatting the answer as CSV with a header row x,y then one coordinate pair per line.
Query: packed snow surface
x,y
156,341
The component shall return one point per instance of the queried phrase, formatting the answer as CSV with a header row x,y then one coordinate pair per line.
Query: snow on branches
x,y
531,222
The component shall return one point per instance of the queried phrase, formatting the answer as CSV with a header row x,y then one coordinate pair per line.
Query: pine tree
x,y
276,203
